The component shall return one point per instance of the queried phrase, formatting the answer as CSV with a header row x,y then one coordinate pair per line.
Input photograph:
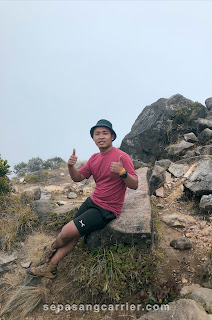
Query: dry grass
x,y
24,301
34,244
17,220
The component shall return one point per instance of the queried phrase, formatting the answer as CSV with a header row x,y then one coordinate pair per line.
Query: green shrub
x,y
113,272
4,181
33,178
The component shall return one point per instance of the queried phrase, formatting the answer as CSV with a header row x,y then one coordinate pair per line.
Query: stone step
x,y
134,226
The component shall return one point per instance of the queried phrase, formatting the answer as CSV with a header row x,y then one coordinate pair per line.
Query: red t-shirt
x,y
110,188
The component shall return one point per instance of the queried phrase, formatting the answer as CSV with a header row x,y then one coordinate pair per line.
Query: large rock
x,y
199,182
178,170
178,220
159,125
203,150
157,179
205,204
205,135
179,149
190,137
202,124
134,226
181,244
42,208
33,193
203,296
164,163
183,309
208,103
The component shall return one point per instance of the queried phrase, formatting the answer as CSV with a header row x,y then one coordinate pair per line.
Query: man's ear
x,y
113,137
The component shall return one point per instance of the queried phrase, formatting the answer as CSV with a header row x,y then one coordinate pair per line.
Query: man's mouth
x,y
101,142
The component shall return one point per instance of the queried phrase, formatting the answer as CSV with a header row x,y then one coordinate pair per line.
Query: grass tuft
x,y
24,301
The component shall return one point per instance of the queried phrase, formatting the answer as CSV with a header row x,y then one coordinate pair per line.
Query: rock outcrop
x,y
199,182
162,124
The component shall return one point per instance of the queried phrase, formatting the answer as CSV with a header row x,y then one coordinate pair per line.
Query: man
x,y
113,171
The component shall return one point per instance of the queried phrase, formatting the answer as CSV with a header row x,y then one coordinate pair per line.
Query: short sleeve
x,y
85,170
128,165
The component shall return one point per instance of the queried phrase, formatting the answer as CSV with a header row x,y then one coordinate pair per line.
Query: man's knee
x,y
70,231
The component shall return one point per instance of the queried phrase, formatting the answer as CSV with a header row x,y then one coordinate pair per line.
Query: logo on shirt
x,y
82,224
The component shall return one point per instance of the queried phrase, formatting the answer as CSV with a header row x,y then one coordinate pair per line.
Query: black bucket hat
x,y
103,123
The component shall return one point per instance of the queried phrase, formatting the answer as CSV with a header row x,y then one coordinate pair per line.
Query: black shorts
x,y
91,217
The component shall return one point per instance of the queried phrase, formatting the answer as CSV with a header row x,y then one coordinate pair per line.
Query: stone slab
x,y
134,226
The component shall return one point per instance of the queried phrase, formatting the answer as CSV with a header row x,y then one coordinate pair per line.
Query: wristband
x,y
122,171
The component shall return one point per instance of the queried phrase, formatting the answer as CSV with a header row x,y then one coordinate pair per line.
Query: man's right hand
x,y
73,159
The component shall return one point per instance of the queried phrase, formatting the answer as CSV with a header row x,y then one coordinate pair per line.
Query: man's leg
x,y
65,241
68,232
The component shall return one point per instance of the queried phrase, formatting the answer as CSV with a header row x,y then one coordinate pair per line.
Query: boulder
x,y
199,182
178,170
157,179
205,204
160,192
202,124
189,289
134,226
42,208
205,135
72,195
203,150
138,164
179,149
159,125
33,193
203,296
190,137
208,103
177,220
164,163
181,244
183,309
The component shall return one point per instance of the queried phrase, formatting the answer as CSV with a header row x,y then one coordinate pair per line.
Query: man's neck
x,y
102,151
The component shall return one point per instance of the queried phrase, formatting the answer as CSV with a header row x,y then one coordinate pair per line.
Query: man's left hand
x,y
117,167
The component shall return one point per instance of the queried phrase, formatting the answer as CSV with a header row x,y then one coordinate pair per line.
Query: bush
x,y
33,178
4,181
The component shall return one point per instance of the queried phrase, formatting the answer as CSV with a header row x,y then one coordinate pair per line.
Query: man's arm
x,y
76,176
130,181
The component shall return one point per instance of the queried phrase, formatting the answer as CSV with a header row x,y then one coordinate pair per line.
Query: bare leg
x,y
65,241
68,232
62,252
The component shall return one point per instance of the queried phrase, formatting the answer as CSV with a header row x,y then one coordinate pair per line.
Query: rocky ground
x,y
176,216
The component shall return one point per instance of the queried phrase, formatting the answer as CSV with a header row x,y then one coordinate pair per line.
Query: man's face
x,y
103,137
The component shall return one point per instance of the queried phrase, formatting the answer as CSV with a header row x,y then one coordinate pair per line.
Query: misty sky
x,y
66,64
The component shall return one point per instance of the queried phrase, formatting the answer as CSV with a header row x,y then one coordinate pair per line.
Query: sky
x,y
66,64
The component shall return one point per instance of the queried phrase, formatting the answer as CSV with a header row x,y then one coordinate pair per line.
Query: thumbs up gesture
x,y
117,167
73,159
